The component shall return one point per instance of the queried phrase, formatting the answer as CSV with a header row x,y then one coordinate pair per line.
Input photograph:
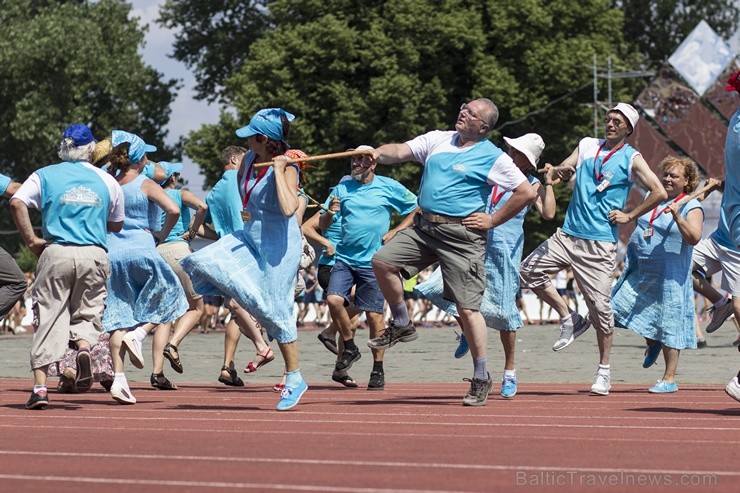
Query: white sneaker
x,y
602,384
733,389
121,394
719,315
570,330
133,346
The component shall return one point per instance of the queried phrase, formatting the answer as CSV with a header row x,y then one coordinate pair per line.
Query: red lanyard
x,y
599,175
248,191
655,211
494,197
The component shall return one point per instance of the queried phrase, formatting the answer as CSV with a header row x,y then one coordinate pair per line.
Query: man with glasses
x,y
604,171
460,168
366,203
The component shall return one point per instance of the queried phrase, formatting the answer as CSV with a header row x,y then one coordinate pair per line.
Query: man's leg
x,y
12,283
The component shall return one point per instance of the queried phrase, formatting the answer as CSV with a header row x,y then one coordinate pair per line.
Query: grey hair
x,y
68,151
490,115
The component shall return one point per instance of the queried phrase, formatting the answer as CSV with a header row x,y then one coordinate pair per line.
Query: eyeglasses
x,y
465,108
360,161
615,121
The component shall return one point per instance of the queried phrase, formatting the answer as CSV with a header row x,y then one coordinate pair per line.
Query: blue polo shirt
x,y
225,205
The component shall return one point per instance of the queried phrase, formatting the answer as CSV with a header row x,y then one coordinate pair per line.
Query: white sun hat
x,y
531,145
629,112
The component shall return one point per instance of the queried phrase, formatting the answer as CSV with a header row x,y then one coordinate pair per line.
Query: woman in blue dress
x,y
503,256
654,295
143,291
257,265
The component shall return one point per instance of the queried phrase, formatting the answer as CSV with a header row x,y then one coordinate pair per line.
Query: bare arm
x,y
691,226
114,226
12,188
156,194
567,168
393,153
657,194
286,182
23,222
310,230
207,232
407,221
520,198
326,219
190,200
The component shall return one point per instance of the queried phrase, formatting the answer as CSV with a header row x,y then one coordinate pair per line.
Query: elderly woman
x,y
257,265
653,296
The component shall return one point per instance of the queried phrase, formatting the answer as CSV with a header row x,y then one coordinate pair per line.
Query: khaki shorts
x,y
460,252
593,264
713,257
173,252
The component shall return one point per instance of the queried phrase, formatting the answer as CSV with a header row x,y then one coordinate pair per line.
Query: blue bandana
x,y
138,147
266,122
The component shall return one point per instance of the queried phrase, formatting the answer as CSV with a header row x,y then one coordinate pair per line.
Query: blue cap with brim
x,y
79,133
170,169
266,122
137,147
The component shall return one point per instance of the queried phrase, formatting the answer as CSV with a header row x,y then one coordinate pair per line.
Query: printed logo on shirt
x,y
460,168
81,196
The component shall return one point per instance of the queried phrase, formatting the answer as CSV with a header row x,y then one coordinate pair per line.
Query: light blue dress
x,y
256,265
503,256
142,287
654,295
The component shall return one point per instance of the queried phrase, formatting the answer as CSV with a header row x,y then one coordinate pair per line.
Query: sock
x,y
39,388
568,317
139,334
350,345
120,379
293,378
510,374
480,368
378,366
604,369
400,314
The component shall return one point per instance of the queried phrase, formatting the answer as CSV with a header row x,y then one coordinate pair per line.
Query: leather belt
x,y
440,219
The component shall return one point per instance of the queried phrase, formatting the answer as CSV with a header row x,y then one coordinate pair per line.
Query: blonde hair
x,y
690,170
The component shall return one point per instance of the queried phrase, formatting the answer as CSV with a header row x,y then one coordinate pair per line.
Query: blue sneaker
x,y
508,387
651,354
663,387
290,396
462,348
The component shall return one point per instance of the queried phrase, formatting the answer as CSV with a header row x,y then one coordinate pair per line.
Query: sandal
x,y
233,380
344,379
159,381
174,360
278,387
263,360
328,342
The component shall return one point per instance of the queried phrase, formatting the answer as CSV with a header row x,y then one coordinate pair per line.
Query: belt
x,y
440,219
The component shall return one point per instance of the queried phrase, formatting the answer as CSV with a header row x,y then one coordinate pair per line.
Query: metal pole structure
x,y
609,77
596,102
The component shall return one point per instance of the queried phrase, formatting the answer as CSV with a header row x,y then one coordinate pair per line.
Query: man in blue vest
x,y
79,204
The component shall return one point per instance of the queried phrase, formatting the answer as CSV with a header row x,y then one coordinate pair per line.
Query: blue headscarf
x,y
266,122
138,147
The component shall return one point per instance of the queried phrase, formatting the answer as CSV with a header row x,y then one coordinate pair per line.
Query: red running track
x,y
408,438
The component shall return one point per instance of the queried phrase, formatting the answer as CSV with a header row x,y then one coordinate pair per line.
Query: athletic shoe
x,y
347,359
289,397
121,394
478,393
377,380
719,315
508,387
84,377
570,330
133,346
733,389
602,384
394,334
663,387
651,354
462,348
38,400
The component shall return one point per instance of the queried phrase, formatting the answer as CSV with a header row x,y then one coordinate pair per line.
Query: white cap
x,y
362,148
629,112
531,145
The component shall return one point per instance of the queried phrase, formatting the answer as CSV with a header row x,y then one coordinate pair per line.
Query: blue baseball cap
x,y
137,147
170,169
79,133
266,122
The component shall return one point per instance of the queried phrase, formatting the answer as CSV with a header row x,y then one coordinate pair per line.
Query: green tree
x,y
63,62
374,72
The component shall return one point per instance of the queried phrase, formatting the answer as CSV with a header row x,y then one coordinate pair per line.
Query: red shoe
x,y
259,361
278,387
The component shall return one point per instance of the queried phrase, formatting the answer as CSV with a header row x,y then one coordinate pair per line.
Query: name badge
x,y
648,232
246,216
604,184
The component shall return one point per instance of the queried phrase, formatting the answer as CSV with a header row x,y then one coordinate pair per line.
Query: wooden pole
x,y
706,189
322,157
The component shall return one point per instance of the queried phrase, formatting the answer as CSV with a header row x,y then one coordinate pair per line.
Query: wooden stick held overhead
x,y
697,193
322,157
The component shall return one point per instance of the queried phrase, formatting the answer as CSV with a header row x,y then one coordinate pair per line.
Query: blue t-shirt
x,y
333,234
182,224
457,180
74,204
366,216
225,205
4,183
731,197
588,213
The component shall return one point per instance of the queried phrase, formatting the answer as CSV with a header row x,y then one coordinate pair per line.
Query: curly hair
x,y
690,170
119,161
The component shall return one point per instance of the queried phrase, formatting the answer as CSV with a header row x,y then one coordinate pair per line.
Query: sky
x,y
187,112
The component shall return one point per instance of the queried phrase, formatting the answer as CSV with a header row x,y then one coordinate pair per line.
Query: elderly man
x,y
604,170
12,281
460,168
79,203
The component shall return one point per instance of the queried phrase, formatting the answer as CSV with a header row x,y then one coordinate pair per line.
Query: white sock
x,y
568,317
510,374
120,379
140,334
39,388
604,369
